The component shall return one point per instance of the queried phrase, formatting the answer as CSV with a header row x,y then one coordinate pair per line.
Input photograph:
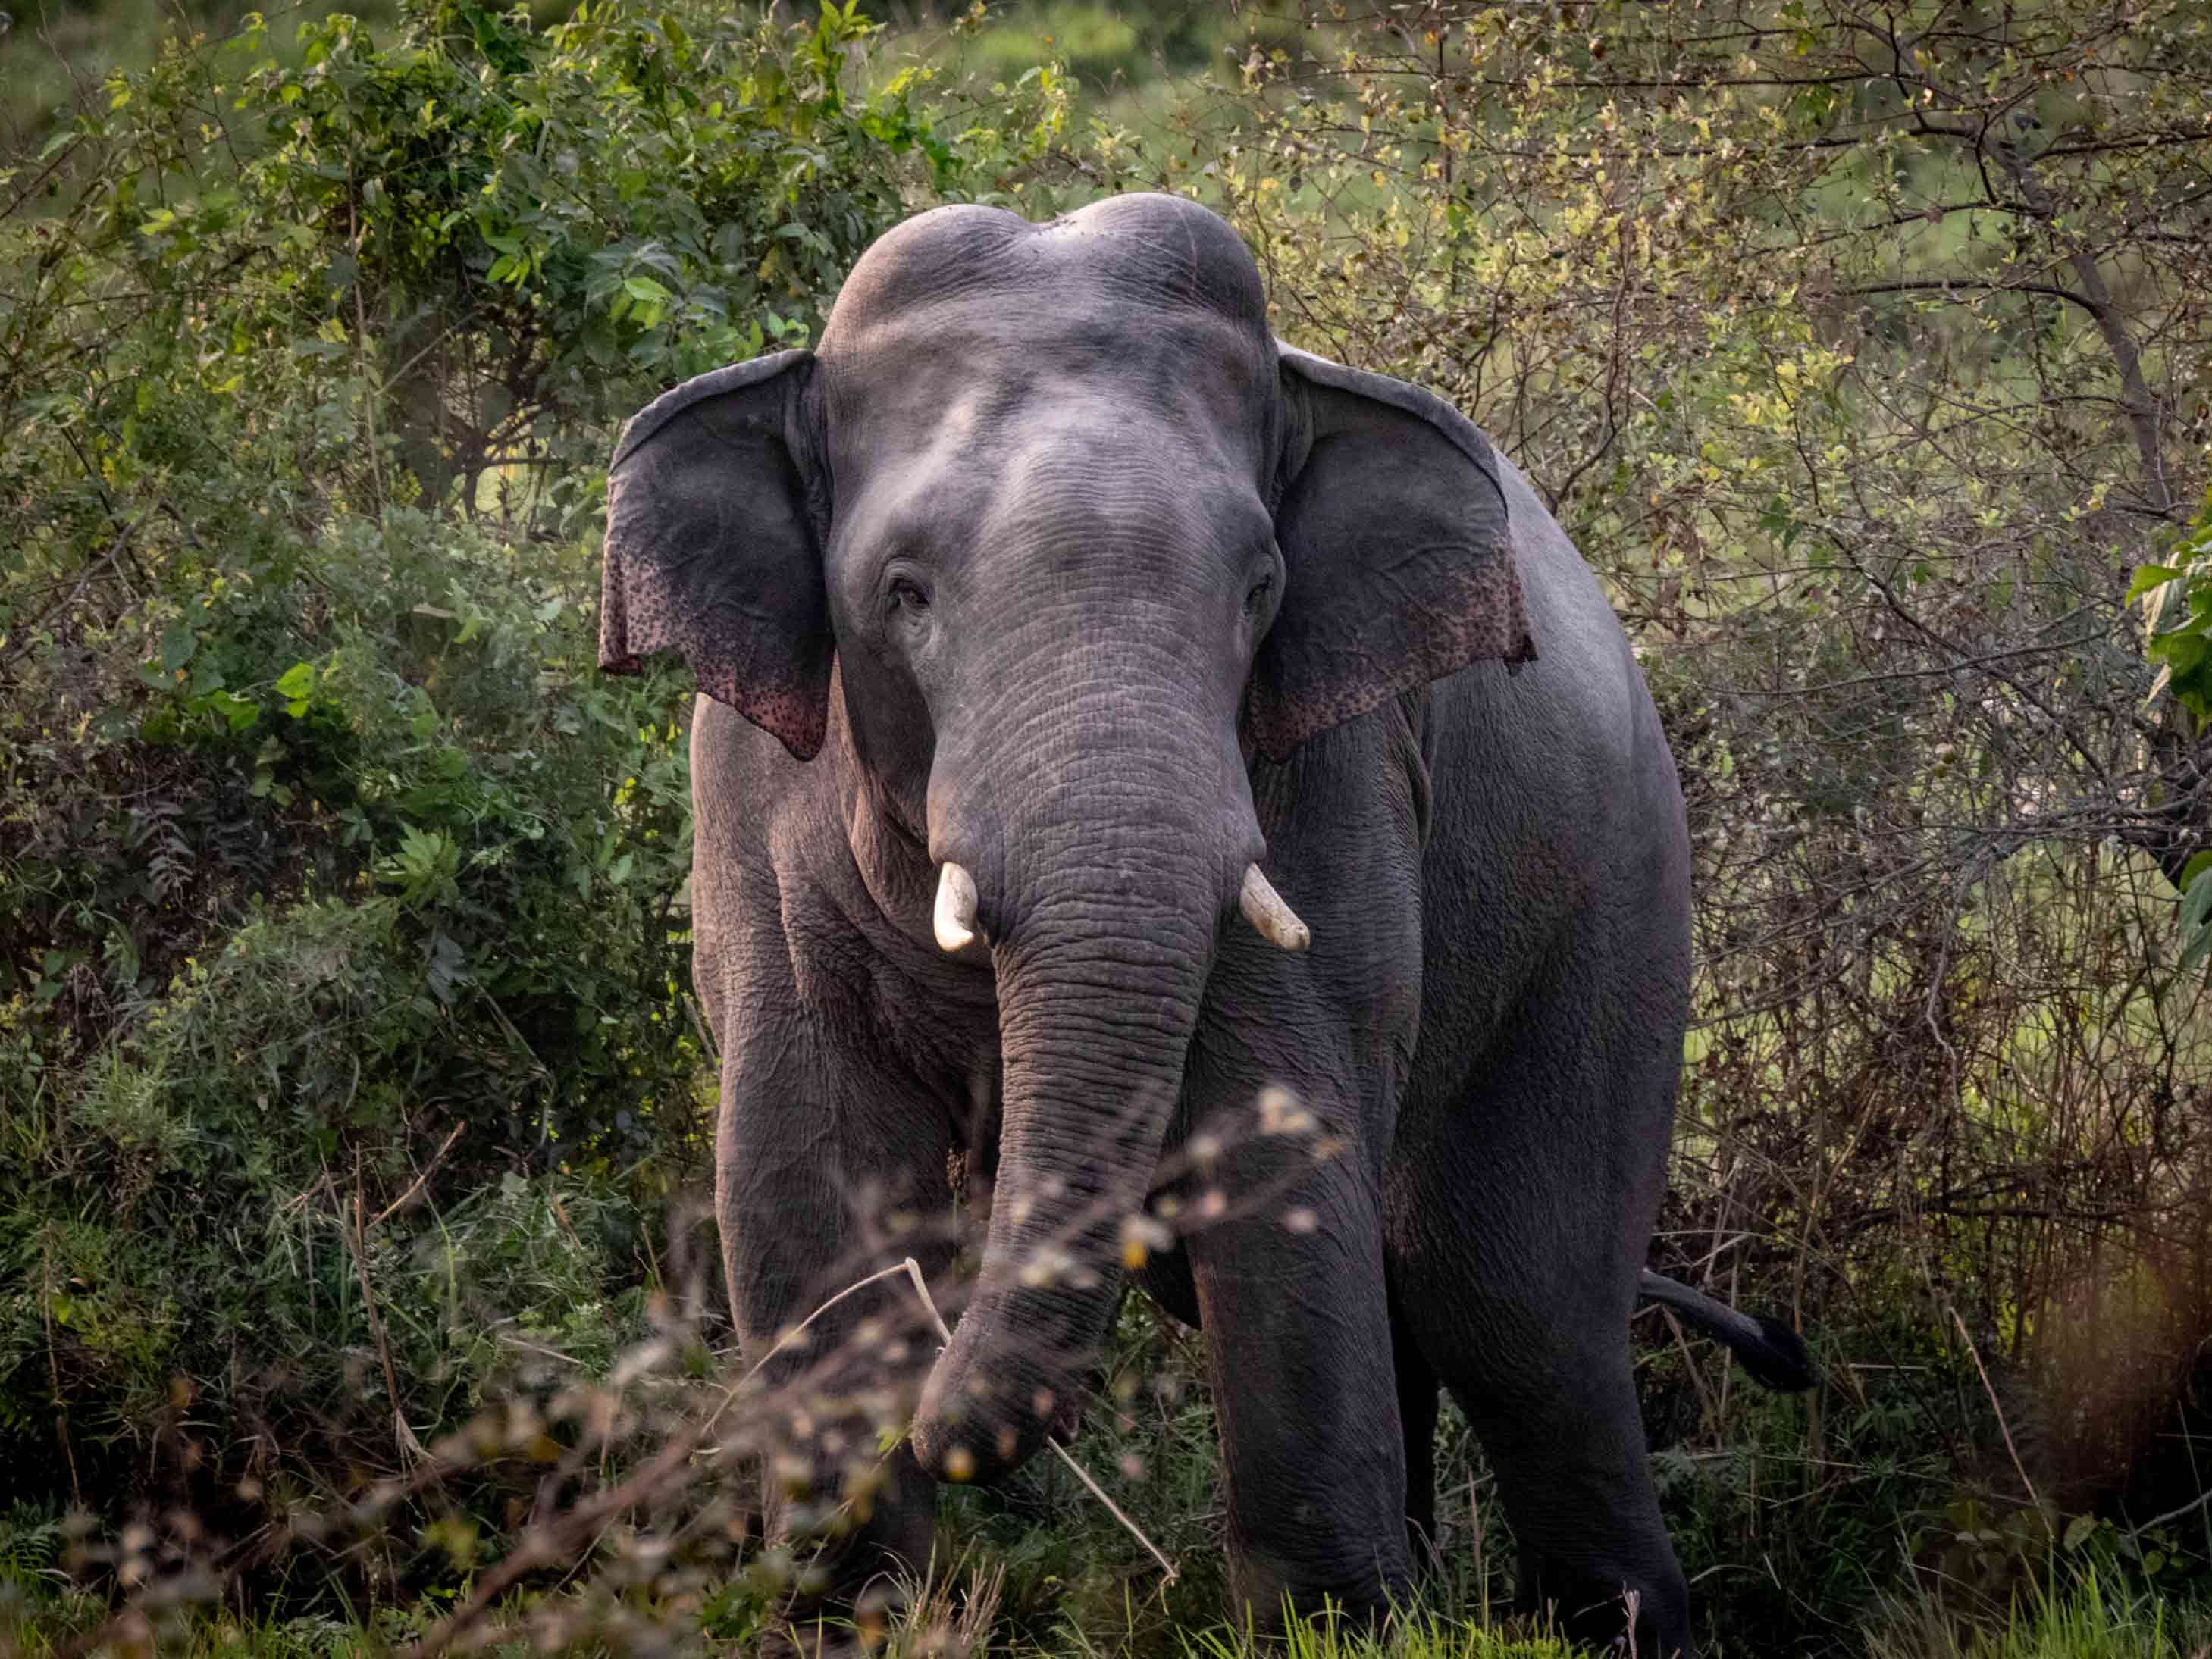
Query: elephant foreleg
x,y
1284,1246
826,1174
1299,1355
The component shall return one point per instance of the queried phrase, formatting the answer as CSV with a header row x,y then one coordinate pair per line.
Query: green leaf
x,y
2195,908
2183,651
2149,576
297,680
241,713
2197,902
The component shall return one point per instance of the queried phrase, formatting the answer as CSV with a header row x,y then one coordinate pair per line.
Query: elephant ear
x,y
715,522
1398,569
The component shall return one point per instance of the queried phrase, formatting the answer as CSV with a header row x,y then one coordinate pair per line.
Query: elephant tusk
x,y
956,908
1263,907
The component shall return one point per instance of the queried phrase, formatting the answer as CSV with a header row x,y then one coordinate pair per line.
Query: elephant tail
x,y
1773,1353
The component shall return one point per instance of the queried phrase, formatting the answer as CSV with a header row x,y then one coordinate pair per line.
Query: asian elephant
x,y
1111,715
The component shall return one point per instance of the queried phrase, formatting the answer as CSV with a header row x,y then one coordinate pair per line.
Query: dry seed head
x,y
1281,1115
1046,1267
1140,1236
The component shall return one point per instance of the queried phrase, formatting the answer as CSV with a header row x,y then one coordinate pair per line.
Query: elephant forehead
x,y
990,368
969,335
1049,469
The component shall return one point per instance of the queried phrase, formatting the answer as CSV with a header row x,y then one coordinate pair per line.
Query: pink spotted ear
x,y
714,529
1398,569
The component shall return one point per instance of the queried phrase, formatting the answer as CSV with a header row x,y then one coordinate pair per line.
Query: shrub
x,y
343,903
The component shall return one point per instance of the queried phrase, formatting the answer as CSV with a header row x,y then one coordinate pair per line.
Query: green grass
x,y
1423,1635
962,1613
2086,1619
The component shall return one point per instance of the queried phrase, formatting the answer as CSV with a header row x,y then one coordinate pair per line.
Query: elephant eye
x,y
905,594
1262,590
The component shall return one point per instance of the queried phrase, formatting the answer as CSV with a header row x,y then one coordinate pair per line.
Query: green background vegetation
x,y
350,1092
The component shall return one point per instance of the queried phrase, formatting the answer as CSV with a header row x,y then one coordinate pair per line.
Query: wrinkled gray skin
x,y
1120,597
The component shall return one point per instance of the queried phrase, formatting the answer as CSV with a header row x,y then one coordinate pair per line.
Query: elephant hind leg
x,y
1417,1419
1568,1448
1518,1208
1541,1367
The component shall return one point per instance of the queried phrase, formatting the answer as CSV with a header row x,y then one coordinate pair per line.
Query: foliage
x,y
342,901
2177,600
1105,49
53,60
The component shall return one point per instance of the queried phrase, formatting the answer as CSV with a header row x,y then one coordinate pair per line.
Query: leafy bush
x,y
343,924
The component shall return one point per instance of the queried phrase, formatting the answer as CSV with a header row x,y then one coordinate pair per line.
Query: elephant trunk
x,y
1102,917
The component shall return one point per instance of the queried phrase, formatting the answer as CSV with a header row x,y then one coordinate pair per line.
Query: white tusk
x,y
956,908
1263,907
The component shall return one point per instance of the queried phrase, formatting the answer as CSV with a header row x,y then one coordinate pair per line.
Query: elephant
x,y
1111,717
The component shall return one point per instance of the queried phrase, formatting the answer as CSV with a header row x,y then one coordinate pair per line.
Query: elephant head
x,y
1078,536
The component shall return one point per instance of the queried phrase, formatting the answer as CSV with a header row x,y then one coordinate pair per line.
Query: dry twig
x,y
2019,1467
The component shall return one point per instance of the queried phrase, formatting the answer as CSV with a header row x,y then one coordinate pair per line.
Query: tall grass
x,y
1420,1634
2086,1616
